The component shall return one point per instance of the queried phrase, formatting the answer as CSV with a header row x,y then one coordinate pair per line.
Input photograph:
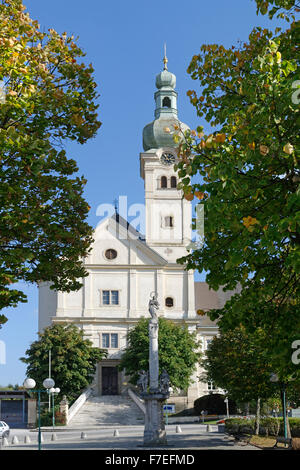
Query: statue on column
x,y
142,381
153,306
164,382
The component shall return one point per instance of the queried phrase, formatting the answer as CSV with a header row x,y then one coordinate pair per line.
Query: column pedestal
x,y
154,432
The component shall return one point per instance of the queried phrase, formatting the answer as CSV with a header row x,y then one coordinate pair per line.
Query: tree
x,y
247,172
242,364
73,359
178,352
289,7
47,96
236,362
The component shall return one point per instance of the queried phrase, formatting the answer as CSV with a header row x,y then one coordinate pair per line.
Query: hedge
x,y
268,426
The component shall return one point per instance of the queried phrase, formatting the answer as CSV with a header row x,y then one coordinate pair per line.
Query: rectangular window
x,y
110,297
105,297
114,340
115,297
110,340
169,221
105,340
211,386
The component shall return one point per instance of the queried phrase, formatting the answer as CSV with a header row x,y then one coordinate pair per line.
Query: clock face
x,y
167,158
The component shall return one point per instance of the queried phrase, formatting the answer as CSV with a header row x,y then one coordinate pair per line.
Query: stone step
x,y
108,409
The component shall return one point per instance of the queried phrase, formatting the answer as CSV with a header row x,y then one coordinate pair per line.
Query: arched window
x,y
163,182
166,102
169,302
173,182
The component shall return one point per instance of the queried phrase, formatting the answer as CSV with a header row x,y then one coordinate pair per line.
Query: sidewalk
x,y
131,438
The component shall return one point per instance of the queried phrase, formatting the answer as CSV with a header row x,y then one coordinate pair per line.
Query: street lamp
x,y
30,384
227,406
275,379
53,391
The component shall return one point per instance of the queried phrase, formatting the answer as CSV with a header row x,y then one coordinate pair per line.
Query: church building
x,y
125,266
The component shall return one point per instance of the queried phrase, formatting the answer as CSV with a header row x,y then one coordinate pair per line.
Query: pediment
x,y
131,249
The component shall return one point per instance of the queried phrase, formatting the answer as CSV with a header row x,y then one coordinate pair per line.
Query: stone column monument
x,y
158,390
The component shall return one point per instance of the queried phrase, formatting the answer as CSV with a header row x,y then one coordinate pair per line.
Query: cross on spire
x,y
116,205
165,60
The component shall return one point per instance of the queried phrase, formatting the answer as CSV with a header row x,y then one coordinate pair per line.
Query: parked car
x,y
4,429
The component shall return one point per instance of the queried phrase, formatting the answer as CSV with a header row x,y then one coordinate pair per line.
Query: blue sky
x,y
124,41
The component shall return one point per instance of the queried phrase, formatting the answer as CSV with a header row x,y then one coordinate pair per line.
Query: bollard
x,y
208,428
42,438
83,435
116,433
221,427
5,442
54,437
178,429
27,440
15,440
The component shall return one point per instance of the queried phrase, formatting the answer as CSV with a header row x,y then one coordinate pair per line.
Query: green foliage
x,y
283,8
268,426
239,363
239,426
247,174
47,417
214,404
3,320
73,359
178,352
49,96
242,363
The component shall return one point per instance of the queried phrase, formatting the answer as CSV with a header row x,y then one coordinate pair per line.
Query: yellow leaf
x,y
248,221
199,195
220,138
288,148
200,312
264,150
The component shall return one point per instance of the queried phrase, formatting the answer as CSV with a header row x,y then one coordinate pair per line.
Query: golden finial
x,y
165,60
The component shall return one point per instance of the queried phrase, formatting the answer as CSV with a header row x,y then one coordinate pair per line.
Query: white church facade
x,y
125,267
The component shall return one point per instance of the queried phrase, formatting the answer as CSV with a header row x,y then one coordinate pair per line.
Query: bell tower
x,y
168,215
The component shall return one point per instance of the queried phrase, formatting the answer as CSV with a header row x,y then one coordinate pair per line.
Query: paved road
x,y
192,437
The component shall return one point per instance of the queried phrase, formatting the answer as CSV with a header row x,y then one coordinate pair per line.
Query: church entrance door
x,y
109,381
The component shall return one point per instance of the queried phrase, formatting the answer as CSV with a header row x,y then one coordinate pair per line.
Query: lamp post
x,y
29,384
274,378
227,406
53,391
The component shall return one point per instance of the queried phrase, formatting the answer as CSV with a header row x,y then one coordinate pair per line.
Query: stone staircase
x,y
108,410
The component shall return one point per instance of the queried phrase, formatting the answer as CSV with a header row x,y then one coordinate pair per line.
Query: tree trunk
x,y
257,417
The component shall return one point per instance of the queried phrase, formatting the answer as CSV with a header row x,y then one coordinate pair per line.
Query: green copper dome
x,y
159,133
165,79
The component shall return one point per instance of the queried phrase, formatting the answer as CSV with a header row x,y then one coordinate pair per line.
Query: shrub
x,y
294,425
213,404
47,417
268,426
239,426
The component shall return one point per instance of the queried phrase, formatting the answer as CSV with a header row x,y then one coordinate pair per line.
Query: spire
x,y
116,205
165,60
166,114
